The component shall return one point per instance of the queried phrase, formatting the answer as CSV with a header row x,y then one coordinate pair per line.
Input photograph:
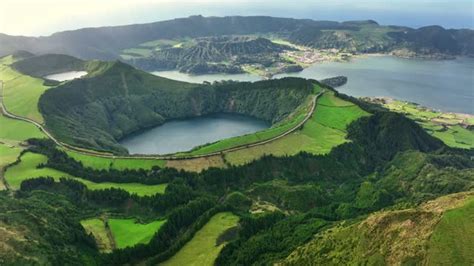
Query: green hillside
x,y
42,65
97,111
415,236
386,162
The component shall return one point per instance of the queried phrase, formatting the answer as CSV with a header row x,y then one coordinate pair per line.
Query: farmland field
x,y
127,232
119,164
202,249
17,130
27,169
21,93
96,227
451,128
451,241
322,132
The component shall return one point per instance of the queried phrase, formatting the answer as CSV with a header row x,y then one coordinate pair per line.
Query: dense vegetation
x,y
97,111
42,228
401,236
42,65
390,161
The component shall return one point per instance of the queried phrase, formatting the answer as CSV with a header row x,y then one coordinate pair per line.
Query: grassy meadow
x,y
96,227
117,163
21,93
452,238
125,232
448,127
202,249
27,169
12,132
128,232
322,132
16,130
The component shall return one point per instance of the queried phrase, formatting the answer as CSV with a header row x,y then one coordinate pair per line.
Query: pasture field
x,y
12,132
21,93
11,129
325,130
128,233
197,164
451,128
8,154
96,227
119,164
202,249
452,238
27,169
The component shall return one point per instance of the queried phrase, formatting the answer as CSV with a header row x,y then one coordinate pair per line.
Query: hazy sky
x,y
36,17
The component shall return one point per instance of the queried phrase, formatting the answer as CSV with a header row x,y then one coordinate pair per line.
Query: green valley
x,y
322,178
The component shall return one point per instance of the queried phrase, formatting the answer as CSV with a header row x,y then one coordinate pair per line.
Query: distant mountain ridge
x,y
202,55
357,36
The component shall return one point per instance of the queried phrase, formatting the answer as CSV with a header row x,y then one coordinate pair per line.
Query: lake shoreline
x,y
184,134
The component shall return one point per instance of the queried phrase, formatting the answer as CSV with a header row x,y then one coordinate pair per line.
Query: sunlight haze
x,y
16,16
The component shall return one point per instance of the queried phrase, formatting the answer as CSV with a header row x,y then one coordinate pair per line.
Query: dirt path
x,y
154,157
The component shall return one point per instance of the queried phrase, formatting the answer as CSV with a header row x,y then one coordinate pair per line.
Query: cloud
x,y
43,17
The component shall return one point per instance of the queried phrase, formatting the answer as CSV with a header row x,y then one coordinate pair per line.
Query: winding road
x,y
153,157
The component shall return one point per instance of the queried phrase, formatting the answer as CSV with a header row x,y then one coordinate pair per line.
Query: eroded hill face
x,y
117,100
395,237
226,54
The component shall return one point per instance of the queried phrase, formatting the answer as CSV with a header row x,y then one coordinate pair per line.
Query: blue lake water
x,y
447,85
66,75
182,135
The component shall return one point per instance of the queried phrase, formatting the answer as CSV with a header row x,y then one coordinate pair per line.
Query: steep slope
x,y
224,54
118,100
396,237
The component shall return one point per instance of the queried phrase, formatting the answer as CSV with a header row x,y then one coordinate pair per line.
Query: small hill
x,y
435,39
410,236
42,65
22,54
116,100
